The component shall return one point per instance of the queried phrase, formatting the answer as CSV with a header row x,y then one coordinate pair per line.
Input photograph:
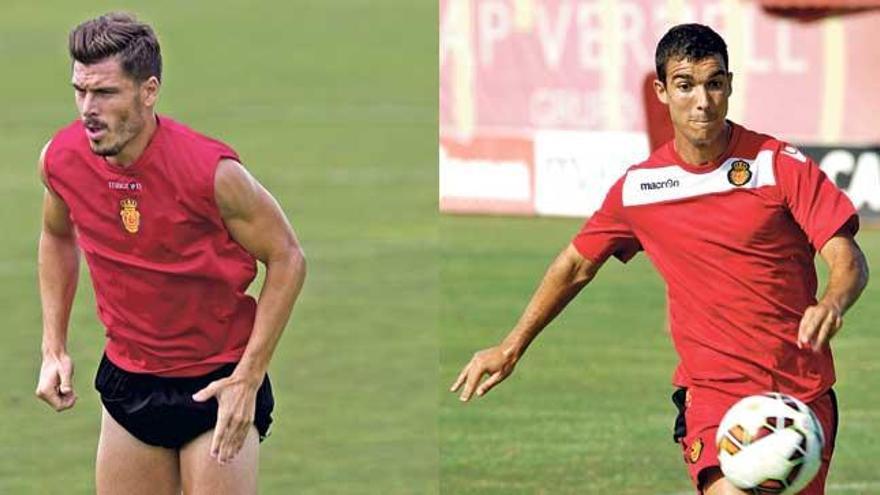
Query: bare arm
x,y
567,275
58,266
255,220
848,275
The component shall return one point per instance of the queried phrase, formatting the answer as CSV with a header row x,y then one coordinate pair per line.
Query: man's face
x,y
696,93
112,105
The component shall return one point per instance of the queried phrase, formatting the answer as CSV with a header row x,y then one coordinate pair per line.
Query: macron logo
x,y
663,184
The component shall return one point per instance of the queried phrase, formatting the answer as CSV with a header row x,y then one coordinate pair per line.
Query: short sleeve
x,y
606,233
816,203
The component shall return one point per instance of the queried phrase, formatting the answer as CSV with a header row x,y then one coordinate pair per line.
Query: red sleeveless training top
x,y
169,280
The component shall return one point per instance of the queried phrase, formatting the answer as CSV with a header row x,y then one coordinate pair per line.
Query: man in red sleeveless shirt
x,y
171,225
732,220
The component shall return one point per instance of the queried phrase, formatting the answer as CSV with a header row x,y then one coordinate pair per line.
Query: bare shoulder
x,y
41,163
250,213
56,219
235,189
231,175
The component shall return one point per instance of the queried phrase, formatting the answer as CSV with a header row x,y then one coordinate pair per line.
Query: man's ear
x,y
150,91
729,84
660,91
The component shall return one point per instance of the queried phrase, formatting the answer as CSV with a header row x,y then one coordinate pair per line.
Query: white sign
x,y
863,173
574,169
484,178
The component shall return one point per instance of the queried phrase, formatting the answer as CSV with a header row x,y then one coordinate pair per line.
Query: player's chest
x,y
734,218
737,205
143,213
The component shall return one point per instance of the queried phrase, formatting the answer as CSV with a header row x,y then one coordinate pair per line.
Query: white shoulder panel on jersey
x,y
794,153
655,185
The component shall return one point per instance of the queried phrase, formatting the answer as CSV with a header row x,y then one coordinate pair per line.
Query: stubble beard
x,y
130,125
108,151
126,132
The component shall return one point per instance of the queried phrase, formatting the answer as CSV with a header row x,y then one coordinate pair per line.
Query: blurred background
x,y
557,94
543,105
332,105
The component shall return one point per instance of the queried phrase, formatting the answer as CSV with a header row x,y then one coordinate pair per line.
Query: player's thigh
x,y
715,484
203,475
125,465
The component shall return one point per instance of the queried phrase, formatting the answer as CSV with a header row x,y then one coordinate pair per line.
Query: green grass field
x,y
332,105
587,410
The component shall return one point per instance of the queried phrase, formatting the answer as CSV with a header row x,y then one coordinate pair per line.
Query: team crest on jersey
x,y
739,173
695,450
131,217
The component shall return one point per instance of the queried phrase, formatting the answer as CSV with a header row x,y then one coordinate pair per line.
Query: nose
x,y
89,105
702,98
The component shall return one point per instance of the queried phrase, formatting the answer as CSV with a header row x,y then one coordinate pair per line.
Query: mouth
x,y
703,122
95,130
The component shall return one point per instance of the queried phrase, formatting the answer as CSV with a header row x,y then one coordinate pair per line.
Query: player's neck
x,y
135,148
702,153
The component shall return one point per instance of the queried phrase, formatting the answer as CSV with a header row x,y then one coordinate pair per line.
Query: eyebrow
x,y
99,89
719,72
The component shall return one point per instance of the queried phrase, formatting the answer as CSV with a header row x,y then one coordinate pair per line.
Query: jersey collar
x,y
669,154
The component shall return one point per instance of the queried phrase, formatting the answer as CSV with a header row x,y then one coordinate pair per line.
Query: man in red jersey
x,y
171,225
731,220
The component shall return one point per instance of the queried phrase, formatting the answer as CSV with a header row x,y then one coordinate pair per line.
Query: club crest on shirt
x,y
695,450
131,217
739,173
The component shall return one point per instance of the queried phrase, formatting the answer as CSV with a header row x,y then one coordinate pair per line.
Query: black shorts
x,y
160,411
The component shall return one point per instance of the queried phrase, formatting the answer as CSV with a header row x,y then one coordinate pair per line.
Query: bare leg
x,y
203,475
125,465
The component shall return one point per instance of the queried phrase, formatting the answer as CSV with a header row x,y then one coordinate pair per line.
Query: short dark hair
x,y
118,33
688,42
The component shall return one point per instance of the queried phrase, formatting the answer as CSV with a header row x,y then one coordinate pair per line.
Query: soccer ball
x,y
770,443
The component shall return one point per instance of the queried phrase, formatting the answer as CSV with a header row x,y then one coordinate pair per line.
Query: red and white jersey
x,y
169,279
735,241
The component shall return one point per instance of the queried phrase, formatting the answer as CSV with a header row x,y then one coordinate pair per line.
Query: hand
x,y
236,402
494,361
55,385
818,325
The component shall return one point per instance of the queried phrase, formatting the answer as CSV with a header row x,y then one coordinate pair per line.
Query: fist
x,y
55,385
